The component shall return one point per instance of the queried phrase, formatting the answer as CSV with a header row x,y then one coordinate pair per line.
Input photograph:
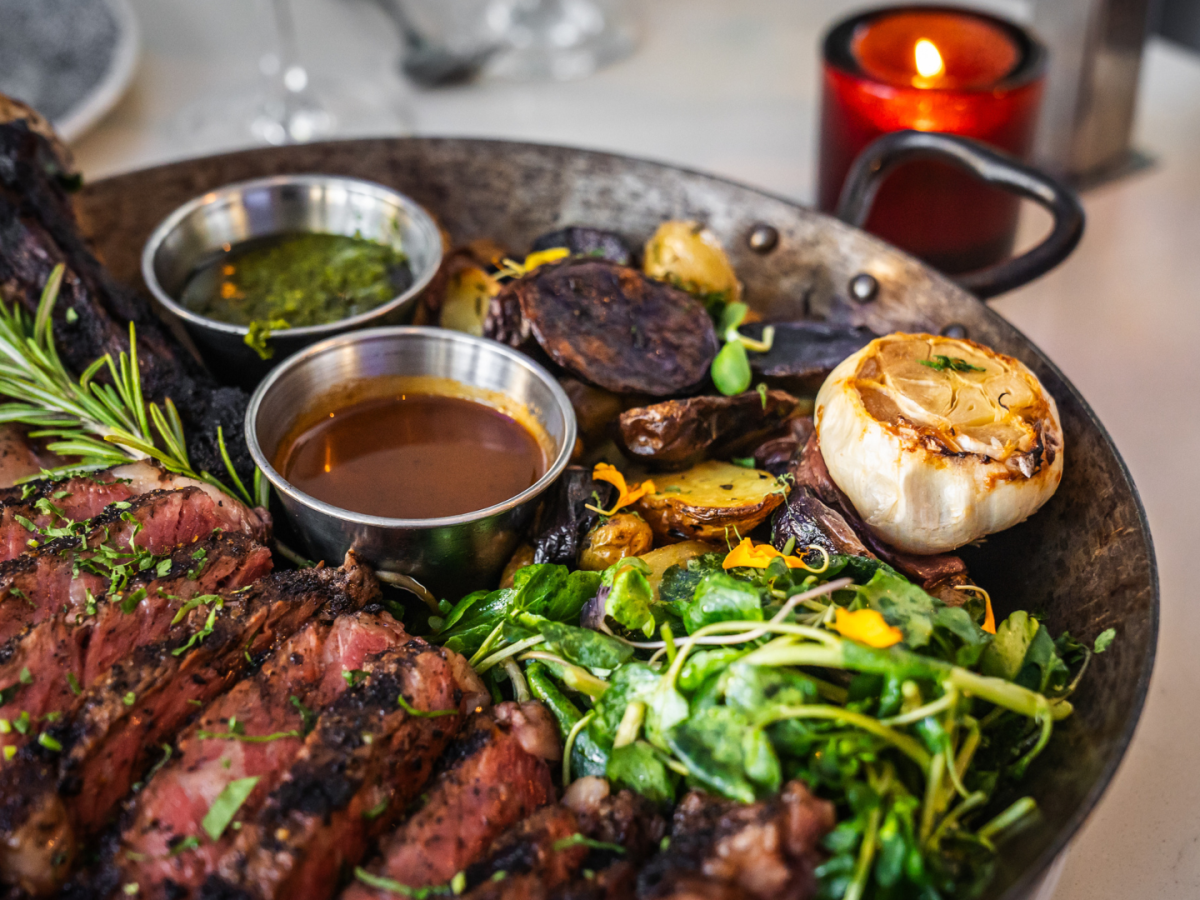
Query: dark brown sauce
x,y
413,456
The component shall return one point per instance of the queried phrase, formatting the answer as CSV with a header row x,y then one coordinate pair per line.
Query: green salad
x,y
837,670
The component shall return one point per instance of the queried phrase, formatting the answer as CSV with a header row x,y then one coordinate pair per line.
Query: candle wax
x,y
934,50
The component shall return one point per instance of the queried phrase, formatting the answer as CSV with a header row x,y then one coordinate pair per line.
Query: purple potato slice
x,y
613,326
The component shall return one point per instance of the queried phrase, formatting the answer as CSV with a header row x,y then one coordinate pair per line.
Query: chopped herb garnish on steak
x,y
225,807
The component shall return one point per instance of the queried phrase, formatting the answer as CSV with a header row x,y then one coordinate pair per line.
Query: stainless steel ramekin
x,y
284,204
451,555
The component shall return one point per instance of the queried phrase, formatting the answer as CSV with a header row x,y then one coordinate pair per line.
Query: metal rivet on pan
x,y
954,330
863,287
763,238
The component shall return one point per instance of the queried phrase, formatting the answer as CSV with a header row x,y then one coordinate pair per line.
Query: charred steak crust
x,y
308,667
766,850
37,584
364,762
488,782
38,230
50,799
68,652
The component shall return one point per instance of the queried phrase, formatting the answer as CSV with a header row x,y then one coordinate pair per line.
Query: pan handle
x,y
990,165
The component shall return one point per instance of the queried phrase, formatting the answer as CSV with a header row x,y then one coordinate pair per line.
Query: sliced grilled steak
x,y
306,672
47,667
362,765
626,820
50,798
59,573
766,851
489,782
59,504
530,860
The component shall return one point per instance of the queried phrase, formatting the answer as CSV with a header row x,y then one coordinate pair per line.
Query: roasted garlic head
x,y
938,441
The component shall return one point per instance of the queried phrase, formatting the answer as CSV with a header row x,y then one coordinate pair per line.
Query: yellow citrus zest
x,y
626,494
746,554
866,626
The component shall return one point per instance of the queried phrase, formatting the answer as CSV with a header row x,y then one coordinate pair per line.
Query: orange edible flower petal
x,y
989,617
866,626
554,254
626,495
746,554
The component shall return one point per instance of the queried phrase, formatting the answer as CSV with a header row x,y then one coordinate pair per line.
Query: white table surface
x,y
730,87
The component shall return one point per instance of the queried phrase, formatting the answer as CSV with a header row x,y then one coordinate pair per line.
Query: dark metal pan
x,y
1085,560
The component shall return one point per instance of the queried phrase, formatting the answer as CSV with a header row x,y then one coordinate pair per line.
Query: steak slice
x,y
305,672
722,848
61,503
365,761
60,573
626,820
50,664
530,859
51,798
489,782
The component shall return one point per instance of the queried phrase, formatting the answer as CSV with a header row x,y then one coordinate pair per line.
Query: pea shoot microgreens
x,y
737,672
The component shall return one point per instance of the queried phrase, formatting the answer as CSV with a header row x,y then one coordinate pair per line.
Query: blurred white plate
x,y
71,60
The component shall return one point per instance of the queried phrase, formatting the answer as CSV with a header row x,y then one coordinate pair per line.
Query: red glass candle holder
x,y
931,68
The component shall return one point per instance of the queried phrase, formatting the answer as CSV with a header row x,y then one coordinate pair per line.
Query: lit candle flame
x,y
929,61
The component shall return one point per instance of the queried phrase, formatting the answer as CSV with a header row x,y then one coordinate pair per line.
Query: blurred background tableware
x,y
940,69
219,220
286,104
71,60
452,41
451,555
1092,81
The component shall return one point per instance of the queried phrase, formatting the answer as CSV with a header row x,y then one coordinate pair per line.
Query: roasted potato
x,y
522,557
620,536
711,501
611,325
469,292
673,555
594,408
676,433
689,255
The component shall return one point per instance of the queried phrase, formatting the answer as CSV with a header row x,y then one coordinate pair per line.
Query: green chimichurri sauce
x,y
294,280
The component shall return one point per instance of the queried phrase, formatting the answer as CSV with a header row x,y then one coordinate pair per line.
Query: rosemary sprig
x,y
101,424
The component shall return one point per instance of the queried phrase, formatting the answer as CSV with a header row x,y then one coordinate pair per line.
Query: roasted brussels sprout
x,y
663,558
565,518
676,433
711,501
689,255
620,536
613,326
584,241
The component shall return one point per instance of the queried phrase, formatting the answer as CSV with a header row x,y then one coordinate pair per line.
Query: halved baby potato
x,y
710,501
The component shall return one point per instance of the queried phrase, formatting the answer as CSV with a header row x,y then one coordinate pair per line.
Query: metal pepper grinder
x,y
1091,85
